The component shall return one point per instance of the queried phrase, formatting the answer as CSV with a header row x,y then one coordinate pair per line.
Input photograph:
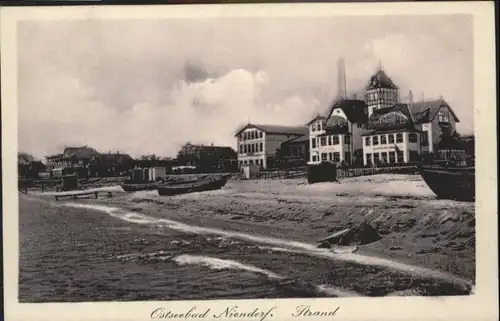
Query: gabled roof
x,y
276,129
380,80
300,139
318,117
426,111
83,152
403,108
354,109
398,108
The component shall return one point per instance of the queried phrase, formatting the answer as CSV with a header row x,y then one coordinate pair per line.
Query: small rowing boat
x,y
134,187
454,183
200,185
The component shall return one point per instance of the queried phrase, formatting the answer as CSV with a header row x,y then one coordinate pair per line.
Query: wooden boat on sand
x,y
200,185
134,187
454,183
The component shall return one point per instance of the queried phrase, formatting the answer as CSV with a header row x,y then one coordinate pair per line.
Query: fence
x,y
342,172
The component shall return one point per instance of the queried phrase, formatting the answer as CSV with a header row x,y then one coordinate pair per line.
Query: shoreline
x,y
439,240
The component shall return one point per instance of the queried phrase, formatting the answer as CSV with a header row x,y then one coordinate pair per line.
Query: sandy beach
x,y
421,235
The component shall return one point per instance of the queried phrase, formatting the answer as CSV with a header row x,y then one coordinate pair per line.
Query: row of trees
x,y
108,165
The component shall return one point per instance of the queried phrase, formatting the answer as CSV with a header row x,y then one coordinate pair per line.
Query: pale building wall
x,y
270,144
405,146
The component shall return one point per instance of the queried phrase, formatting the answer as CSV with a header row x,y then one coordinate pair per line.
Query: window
x,y
425,138
330,156
400,158
261,134
251,162
443,116
383,139
375,140
383,156
412,138
329,140
399,138
336,157
241,149
391,138
335,140
367,141
392,157
261,147
319,126
314,158
324,157
257,161
245,148
313,143
376,158
313,127
252,148
323,141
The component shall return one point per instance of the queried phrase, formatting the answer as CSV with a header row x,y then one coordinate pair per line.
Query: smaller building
x,y
258,144
206,158
157,172
293,152
72,160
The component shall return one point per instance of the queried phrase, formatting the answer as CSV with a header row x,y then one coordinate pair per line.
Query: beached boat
x,y
455,183
200,185
134,187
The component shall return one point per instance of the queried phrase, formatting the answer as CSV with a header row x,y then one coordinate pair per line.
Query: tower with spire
x,y
380,92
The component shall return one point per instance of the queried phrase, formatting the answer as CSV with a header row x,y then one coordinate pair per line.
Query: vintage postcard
x,y
250,162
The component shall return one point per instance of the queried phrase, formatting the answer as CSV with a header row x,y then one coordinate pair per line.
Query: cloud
x,y
208,111
146,86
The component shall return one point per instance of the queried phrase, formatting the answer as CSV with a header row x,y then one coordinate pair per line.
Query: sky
x,y
149,86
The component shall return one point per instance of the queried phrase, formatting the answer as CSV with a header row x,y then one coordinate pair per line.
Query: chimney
x,y
341,79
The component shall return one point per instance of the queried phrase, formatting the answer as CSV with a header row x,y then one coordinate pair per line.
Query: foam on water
x,y
220,264
279,244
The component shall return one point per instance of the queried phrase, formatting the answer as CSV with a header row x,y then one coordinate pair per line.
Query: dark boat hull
x,y
199,186
139,187
455,183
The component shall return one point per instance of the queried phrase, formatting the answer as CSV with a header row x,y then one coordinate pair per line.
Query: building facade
x,y
206,158
73,159
259,144
406,132
294,152
336,137
380,129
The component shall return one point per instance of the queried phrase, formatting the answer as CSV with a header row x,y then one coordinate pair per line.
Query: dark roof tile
x,y
276,129
354,109
380,80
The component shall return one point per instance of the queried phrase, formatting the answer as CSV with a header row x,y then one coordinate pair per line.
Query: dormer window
x,y
313,127
443,116
319,126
